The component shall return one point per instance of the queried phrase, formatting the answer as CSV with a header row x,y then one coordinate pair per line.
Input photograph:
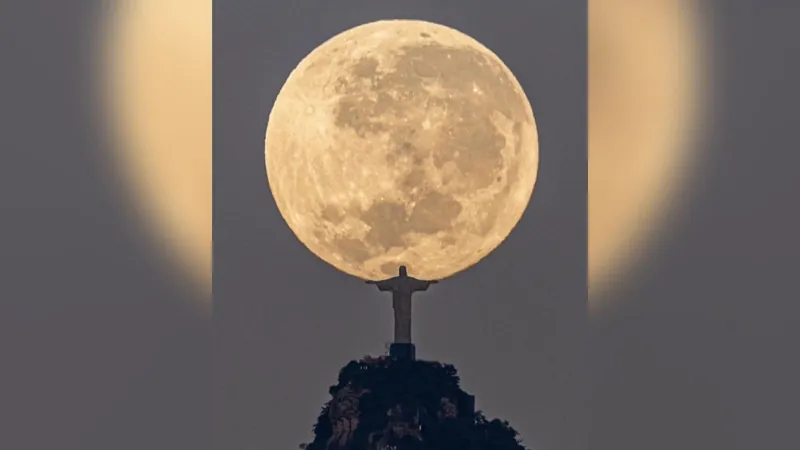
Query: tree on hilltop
x,y
387,404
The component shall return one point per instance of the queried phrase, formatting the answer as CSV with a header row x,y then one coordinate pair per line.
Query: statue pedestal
x,y
403,352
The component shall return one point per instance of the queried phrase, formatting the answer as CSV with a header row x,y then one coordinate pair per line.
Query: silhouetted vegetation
x,y
384,404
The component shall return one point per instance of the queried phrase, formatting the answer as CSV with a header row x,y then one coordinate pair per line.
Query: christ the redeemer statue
x,y
402,287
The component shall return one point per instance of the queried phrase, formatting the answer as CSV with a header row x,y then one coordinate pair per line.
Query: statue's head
x,y
403,271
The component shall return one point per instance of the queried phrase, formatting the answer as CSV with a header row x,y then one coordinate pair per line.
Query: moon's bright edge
x,y
401,142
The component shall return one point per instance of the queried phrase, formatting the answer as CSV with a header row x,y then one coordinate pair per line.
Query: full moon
x,y
401,142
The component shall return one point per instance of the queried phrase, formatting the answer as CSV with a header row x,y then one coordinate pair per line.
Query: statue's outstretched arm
x,y
420,285
383,285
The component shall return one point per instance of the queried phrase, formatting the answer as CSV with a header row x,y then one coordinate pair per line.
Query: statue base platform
x,y
403,352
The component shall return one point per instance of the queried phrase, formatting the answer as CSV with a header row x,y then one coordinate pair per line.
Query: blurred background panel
x,y
695,330
104,341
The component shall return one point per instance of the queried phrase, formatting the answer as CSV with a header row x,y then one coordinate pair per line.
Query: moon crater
x,y
401,142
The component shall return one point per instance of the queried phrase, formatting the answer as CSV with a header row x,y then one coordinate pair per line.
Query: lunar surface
x,y
401,142
159,97
644,75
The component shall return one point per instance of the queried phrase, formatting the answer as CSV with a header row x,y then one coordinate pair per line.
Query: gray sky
x,y
97,351
285,322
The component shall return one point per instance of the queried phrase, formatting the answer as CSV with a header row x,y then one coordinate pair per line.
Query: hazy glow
x,y
159,73
643,99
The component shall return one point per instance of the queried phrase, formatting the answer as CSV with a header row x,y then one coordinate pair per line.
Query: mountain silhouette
x,y
402,404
